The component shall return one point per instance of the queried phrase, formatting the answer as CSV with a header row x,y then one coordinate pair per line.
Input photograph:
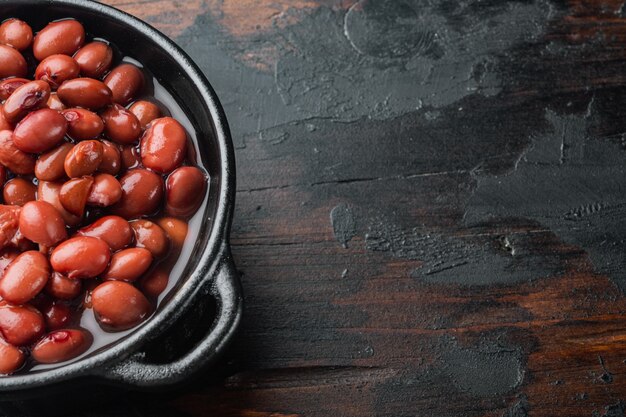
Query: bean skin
x,y
11,358
125,81
128,265
142,194
56,69
81,257
84,158
4,125
130,158
150,236
94,59
62,345
63,288
114,230
62,37
16,33
29,97
20,325
111,158
6,257
9,224
49,166
40,131
154,283
18,192
85,92
119,306
176,230
9,85
41,223
120,125
49,191
185,189
55,103
25,277
12,63
16,161
74,194
145,111
164,145
83,124
105,191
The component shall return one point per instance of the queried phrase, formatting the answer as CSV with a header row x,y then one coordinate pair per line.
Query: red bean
x,y
119,306
9,224
155,282
29,97
142,194
56,69
85,92
11,358
120,125
83,124
185,189
128,265
42,223
49,166
130,158
114,230
81,257
15,160
145,111
63,288
111,158
56,314
4,125
12,63
176,230
62,37
105,192
20,325
40,131
150,236
84,159
6,257
94,59
74,194
25,277
62,345
49,191
18,192
55,103
16,33
125,81
164,145
9,85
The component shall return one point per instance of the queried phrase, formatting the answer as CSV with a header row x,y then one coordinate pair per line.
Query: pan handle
x,y
226,288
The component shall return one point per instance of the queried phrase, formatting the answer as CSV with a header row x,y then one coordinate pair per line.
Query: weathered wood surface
x,y
430,215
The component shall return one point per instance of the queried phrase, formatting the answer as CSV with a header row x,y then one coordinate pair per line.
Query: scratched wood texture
x,y
430,208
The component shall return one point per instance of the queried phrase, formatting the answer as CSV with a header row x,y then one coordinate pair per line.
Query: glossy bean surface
x,y
119,306
150,236
113,230
84,92
50,165
16,33
62,345
125,81
164,145
25,277
81,257
40,131
56,69
185,189
83,124
142,194
19,191
12,63
62,37
94,59
83,159
128,265
42,223
26,98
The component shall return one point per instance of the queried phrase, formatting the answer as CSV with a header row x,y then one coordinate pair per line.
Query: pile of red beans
x,y
97,190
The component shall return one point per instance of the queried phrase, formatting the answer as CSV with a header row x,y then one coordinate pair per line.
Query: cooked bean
x,y
114,230
164,145
130,158
49,191
128,265
11,358
154,283
20,325
9,85
15,160
111,158
81,257
74,194
18,192
49,166
4,124
42,223
145,111
176,230
25,277
62,345
6,257
105,191
16,33
142,194
83,124
185,189
94,59
120,125
63,288
151,236
9,224
12,63
119,306
84,158
85,92
57,315
40,131
56,69
125,81
29,97
62,37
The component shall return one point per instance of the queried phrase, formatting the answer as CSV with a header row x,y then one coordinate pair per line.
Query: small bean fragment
x,y
142,194
29,97
11,358
105,191
40,131
56,69
150,236
25,277
119,306
128,265
41,223
9,224
111,158
49,166
83,124
74,194
49,191
61,37
62,345
185,189
125,81
16,33
9,85
85,92
84,158
18,191
61,287
20,325
120,125
81,257
94,59
12,63
55,103
146,112
114,230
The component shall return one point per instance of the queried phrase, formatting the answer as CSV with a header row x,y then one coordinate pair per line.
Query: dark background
x,y
430,217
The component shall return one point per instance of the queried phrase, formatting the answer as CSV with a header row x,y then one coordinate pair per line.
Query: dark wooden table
x,y
431,208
